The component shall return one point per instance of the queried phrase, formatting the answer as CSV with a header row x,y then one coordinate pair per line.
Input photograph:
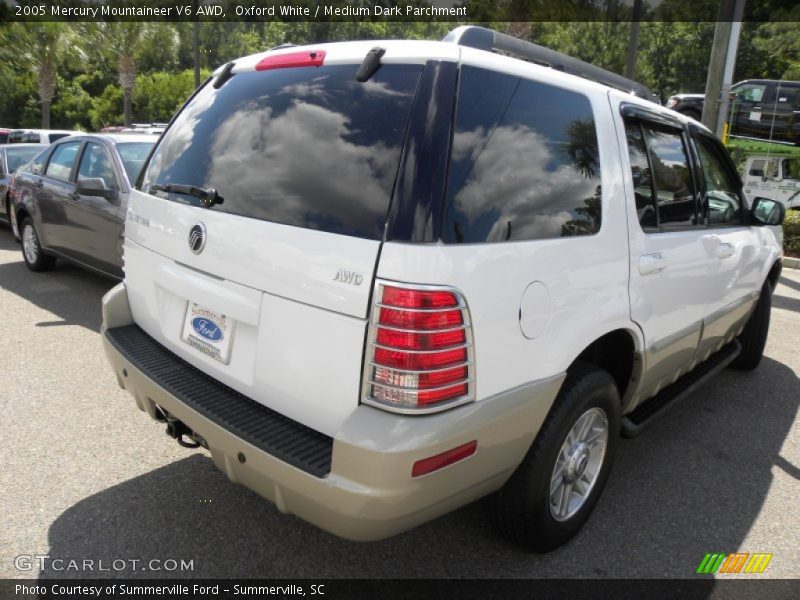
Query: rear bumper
x,y
368,493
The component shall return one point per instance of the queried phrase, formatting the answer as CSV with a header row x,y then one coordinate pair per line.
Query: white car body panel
x,y
299,334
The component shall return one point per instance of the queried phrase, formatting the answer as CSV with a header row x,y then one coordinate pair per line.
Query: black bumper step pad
x,y
272,432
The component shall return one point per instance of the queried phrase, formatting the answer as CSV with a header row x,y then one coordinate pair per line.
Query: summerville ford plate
x,y
208,332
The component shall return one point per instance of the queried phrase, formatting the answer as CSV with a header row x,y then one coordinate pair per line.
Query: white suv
x,y
380,280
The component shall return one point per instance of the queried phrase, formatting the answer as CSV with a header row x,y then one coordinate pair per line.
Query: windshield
x,y
16,157
309,147
133,155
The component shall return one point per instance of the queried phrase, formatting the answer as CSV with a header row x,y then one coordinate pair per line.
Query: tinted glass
x,y
524,163
31,138
758,168
96,164
58,136
722,188
642,177
60,165
750,93
35,166
791,168
309,147
133,155
672,177
16,157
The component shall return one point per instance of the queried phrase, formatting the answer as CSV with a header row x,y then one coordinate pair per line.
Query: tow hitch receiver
x,y
177,429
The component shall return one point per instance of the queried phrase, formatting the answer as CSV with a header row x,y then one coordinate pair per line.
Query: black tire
x,y
521,509
754,335
32,252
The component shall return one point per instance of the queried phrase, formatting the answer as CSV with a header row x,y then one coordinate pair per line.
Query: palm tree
x,y
128,38
42,45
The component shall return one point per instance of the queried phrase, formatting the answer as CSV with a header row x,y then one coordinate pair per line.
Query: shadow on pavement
x,y
72,294
694,483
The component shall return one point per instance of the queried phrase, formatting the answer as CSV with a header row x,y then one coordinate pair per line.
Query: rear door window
x,y
659,160
309,147
524,162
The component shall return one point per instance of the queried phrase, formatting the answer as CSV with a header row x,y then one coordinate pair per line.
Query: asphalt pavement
x,y
85,476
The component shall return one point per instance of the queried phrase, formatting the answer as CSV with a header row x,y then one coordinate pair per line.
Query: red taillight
x,y
308,58
420,341
418,298
434,463
420,353
420,320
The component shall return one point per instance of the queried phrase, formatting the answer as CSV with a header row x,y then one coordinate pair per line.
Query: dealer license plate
x,y
208,332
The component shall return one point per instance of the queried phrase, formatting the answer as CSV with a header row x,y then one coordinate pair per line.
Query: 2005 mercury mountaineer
x,y
380,280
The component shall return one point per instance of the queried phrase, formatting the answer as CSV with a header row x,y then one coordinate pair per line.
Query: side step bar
x,y
643,415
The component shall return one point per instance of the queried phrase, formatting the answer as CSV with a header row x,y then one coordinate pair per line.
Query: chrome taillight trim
x,y
371,344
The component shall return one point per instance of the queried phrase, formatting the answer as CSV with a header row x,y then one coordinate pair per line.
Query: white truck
x,y
775,177
380,280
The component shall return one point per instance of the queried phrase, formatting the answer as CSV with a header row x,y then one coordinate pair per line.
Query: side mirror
x,y
766,211
95,186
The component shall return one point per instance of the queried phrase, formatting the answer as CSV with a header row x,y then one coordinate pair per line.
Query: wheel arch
x,y
619,353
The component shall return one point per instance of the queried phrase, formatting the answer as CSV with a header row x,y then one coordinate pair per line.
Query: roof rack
x,y
494,41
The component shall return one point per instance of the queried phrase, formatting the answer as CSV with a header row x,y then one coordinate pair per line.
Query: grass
x,y
741,149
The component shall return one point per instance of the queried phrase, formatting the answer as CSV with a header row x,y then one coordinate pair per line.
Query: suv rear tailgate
x,y
299,324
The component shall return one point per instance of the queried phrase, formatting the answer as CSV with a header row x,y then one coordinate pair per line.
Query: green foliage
x,y
791,231
157,96
107,108
673,51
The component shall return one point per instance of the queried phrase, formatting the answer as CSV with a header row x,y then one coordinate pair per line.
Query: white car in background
x,y
775,177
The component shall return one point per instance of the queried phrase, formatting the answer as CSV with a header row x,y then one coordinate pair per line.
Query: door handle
x,y
652,263
725,251
39,183
74,196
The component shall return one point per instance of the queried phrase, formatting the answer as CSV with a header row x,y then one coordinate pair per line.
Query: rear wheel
x,y
554,490
754,335
32,251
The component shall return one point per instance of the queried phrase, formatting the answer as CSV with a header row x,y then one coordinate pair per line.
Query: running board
x,y
643,415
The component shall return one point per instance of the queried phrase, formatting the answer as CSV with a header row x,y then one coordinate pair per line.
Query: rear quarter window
x,y
309,147
524,162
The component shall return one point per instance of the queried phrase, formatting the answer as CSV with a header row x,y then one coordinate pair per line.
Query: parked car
x,y
776,177
70,202
4,135
38,136
690,105
379,280
13,156
764,109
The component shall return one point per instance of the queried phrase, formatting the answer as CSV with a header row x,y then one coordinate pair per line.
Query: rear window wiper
x,y
209,197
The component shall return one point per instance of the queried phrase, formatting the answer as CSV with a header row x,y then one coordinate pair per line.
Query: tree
x,y
125,45
43,46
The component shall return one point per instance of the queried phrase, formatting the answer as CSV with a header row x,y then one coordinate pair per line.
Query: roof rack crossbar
x,y
494,41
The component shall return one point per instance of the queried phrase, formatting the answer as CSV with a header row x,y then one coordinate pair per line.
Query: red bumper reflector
x,y
434,463
309,58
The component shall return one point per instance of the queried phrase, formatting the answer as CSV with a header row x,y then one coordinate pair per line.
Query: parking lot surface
x,y
87,476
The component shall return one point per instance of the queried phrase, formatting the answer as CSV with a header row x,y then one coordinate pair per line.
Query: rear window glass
x,y
133,155
16,157
524,163
309,147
